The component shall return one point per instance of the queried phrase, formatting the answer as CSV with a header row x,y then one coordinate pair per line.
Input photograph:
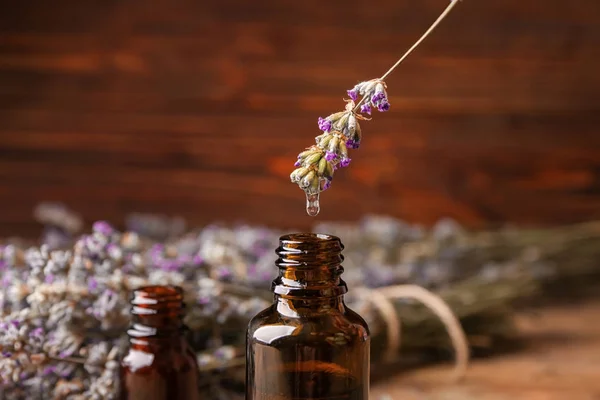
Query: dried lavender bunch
x,y
316,165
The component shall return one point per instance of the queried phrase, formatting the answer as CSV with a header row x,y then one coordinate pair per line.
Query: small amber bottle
x,y
308,344
160,365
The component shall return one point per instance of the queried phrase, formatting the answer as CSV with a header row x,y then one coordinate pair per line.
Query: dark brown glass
x,y
308,344
160,365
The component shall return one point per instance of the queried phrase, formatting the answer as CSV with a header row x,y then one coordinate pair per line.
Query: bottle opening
x,y
310,248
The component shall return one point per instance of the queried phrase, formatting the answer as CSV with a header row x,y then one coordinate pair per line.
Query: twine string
x,y
382,298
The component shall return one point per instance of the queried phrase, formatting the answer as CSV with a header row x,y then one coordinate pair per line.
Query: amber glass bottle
x,y
160,365
308,344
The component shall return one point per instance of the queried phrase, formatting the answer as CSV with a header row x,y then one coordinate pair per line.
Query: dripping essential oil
x,y
159,364
308,345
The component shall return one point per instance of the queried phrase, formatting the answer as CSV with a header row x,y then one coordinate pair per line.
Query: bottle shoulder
x,y
270,326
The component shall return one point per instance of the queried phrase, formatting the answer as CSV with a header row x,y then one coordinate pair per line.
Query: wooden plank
x,y
200,109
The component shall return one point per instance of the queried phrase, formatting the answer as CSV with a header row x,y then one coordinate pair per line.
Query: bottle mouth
x,y
309,246
157,299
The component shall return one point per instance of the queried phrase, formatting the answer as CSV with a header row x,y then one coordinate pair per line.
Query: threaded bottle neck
x,y
157,311
310,266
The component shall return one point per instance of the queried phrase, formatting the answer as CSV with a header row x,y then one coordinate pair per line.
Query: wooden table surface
x,y
561,362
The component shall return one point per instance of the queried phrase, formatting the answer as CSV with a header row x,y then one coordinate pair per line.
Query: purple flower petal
x,y
224,273
377,96
103,228
92,284
324,124
365,108
170,265
49,278
383,106
353,93
345,162
297,163
330,156
197,260
204,300
352,144
326,185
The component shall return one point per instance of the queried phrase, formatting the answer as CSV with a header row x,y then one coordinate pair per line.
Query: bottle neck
x,y
310,269
157,315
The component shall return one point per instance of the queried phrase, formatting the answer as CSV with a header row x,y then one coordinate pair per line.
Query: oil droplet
x,y
312,204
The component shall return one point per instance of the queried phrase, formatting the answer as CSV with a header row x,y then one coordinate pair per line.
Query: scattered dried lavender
x,y
63,311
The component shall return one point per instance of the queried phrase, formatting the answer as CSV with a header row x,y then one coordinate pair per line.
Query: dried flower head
x,y
341,131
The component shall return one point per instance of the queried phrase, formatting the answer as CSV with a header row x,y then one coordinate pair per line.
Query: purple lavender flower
x,y
224,273
49,278
170,265
353,93
92,284
37,332
330,156
324,124
6,354
204,300
157,248
383,106
352,144
103,228
326,185
344,162
365,108
377,96
197,260
298,163
15,323
49,370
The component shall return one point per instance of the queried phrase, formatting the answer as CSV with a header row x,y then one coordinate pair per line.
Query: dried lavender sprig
x,y
341,131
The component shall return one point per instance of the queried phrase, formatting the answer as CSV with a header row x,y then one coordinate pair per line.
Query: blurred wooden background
x,y
198,109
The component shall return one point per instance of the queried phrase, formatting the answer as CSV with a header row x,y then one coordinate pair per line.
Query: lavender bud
x,y
298,174
333,144
353,93
383,105
324,124
307,180
365,108
343,150
324,141
322,166
103,228
344,162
